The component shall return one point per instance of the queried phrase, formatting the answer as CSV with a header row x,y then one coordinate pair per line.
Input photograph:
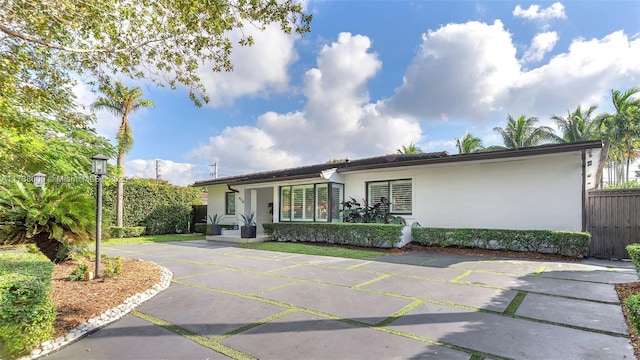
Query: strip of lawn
x,y
307,249
152,239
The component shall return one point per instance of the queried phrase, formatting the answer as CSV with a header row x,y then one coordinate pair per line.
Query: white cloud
x,y
257,70
533,12
337,121
106,124
541,44
461,70
174,172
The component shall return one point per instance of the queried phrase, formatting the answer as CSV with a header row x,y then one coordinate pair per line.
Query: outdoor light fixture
x,y
98,168
39,179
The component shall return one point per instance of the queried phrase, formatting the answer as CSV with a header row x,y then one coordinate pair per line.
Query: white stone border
x,y
97,322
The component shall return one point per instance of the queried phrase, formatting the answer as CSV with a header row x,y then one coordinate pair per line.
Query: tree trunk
x,y
49,247
120,192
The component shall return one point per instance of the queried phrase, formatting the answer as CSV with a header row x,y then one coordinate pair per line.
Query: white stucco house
x,y
536,188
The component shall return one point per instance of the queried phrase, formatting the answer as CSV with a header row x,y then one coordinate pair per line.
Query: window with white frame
x,y
311,202
398,193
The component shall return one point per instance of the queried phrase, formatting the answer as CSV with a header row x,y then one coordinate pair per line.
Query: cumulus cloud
x,y
541,44
337,121
257,70
534,12
174,172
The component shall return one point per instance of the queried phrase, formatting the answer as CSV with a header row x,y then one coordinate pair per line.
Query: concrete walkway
x,y
228,302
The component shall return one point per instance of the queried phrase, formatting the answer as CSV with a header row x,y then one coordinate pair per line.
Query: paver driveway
x,y
228,302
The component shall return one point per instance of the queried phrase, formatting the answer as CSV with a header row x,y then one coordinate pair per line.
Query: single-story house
x,y
536,188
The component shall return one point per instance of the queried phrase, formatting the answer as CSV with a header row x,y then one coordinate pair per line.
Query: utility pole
x,y
214,172
157,171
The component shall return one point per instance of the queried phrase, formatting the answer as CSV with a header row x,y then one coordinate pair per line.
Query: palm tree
x,y
411,149
522,132
468,144
622,128
578,125
121,101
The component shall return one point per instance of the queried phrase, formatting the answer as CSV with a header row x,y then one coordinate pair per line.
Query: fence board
x,y
613,219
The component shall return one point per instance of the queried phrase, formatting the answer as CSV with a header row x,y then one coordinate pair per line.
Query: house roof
x,y
397,160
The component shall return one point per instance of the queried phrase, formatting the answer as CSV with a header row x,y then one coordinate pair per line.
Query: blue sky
x,y
375,75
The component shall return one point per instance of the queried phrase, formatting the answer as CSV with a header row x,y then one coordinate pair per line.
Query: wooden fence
x,y
613,219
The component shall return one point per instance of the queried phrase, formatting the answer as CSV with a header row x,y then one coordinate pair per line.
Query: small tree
x,y
468,144
53,218
410,149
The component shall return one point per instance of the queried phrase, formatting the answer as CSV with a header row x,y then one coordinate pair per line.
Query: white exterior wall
x,y
215,204
541,193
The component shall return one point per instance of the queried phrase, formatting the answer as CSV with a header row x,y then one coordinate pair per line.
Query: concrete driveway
x,y
228,302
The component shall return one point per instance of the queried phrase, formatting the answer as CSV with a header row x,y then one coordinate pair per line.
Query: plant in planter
x,y
216,228
249,228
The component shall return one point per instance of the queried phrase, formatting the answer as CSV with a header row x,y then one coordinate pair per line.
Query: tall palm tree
x,y
468,144
522,132
578,125
121,101
622,128
410,149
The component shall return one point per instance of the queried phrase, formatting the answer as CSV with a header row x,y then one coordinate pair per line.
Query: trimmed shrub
x,y
568,243
201,228
633,305
161,208
357,234
634,254
126,231
27,312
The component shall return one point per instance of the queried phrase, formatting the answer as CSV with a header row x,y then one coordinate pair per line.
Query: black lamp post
x,y
98,168
39,179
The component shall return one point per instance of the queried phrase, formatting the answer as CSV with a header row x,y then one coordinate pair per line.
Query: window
x,y
311,202
397,192
230,203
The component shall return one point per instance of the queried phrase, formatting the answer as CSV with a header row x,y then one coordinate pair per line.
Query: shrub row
x,y
161,208
357,234
200,228
633,305
566,243
634,254
27,312
126,231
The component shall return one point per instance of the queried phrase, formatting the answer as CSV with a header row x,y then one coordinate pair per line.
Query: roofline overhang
x,y
492,155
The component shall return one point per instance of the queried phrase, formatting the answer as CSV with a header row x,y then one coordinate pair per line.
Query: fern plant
x,y
54,218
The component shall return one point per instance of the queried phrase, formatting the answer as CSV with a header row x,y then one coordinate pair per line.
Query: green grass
x,y
313,249
151,239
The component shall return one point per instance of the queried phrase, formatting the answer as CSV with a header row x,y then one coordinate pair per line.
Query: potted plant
x,y
248,229
216,228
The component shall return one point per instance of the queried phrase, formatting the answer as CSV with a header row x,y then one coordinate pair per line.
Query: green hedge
x,y
358,234
27,312
575,244
161,208
126,231
634,254
201,228
633,305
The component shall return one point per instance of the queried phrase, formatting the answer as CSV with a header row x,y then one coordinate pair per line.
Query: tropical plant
x,y
522,132
121,101
410,149
355,212
622,129
578,125
54,218
215,220
468,144
248,220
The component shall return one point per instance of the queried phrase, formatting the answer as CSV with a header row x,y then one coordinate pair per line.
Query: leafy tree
x,y
522,132
622,128
578,125
53,217
165,42
410,149
121,101
468,144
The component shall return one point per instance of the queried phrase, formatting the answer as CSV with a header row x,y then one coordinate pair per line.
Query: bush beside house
x,y
160,207
357,234
568,243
